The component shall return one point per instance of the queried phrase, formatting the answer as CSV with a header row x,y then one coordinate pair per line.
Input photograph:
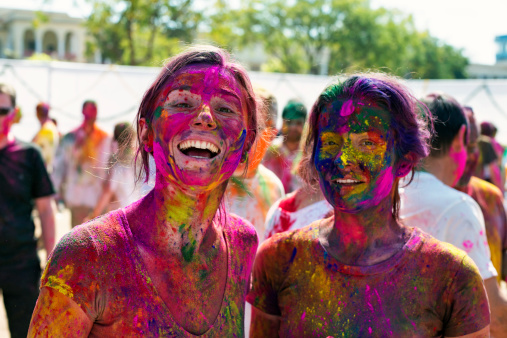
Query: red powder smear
x,y
370,330
303,316
285,222
347,108
289,204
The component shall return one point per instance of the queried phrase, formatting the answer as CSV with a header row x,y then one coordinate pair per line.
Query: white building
x,y
29,29
496,71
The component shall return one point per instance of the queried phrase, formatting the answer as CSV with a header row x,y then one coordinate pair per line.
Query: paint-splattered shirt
x,y
99,267
448,215
282,216
47,139
490,199
427,289
80,164
251,198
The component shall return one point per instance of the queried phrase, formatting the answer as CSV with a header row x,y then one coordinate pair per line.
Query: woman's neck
x,y
364,238
180,222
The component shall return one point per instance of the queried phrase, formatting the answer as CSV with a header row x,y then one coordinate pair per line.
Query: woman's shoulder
x,y
284,243
241,230
98,236
443,255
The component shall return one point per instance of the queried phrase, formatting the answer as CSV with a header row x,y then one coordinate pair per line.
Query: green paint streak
x,y
188,251
241,185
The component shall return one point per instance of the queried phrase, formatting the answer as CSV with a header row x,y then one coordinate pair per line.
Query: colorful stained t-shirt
x,y
47,139
99,267
280,160
283,217
490,199
80,166
427,289
251,198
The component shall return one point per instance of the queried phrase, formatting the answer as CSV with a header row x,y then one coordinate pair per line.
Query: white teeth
x,y
199,145
345,181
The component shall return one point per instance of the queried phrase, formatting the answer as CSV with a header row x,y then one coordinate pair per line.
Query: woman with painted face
x,y
362,272
173,263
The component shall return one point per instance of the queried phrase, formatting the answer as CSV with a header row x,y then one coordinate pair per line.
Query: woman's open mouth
x,y
348,182
199,149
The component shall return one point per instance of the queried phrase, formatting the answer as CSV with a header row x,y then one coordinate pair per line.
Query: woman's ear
x,y
458,142
404,166
146,135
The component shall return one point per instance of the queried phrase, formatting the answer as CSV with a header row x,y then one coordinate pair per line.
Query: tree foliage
x,y
140,32
298,36
332,36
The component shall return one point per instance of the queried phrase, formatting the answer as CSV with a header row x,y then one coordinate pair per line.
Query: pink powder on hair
x,y
347,108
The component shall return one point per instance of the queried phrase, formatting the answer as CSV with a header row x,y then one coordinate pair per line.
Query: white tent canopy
x,y
118,90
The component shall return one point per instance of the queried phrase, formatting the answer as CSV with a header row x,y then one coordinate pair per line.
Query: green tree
x,y
342,35
140,32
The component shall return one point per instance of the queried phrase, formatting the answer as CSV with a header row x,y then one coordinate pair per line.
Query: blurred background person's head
x,y
89,111
448,153
42,112
8,111
294,117
267,114
472,148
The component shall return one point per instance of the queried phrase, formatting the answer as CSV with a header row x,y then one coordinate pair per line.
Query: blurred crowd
x,y
91,171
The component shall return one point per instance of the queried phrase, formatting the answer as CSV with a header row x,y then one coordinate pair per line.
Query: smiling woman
x,y
362,272
171,264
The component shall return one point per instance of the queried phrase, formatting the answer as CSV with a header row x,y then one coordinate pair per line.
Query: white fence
x,y
118,91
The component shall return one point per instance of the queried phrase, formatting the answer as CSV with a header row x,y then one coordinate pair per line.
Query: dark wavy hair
x,y
411,130
196,55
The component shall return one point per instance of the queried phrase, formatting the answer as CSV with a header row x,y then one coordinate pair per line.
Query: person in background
x,y
253,189
489,198
361,272
490,166
431,203
280,158
24,183
47,137
80,163
301,207
121,177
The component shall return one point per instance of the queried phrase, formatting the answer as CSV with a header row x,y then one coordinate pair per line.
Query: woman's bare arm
x,y
263,325
56,315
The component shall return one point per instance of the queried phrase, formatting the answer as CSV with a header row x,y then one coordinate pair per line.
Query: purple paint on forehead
x,y
347,108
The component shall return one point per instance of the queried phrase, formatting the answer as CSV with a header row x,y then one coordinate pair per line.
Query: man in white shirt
x,y
430,202
79,166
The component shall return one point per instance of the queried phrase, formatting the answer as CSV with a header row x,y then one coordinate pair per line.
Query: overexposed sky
x,y
467,24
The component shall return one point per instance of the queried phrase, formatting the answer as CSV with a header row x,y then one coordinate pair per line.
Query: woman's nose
x,y
204,119
344,157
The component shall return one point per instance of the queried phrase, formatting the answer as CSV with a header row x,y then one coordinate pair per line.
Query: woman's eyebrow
x,y
226,92
182,87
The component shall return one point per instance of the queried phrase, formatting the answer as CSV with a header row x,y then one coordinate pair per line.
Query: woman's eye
x,y
368,143
182,105
226,110
329,143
